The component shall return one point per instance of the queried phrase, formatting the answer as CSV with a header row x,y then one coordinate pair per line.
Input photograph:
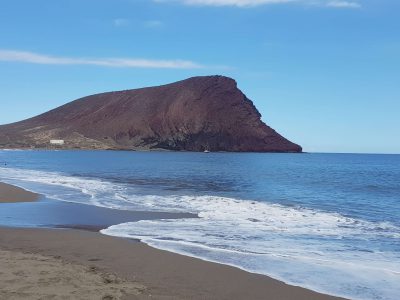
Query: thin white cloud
x,y
252,3
343,4
239,3
120,22
35,58
153,24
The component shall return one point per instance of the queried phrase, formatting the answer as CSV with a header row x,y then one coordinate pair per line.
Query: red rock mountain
x,y
196,114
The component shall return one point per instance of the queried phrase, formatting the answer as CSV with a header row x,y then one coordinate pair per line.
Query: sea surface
x,y
329,222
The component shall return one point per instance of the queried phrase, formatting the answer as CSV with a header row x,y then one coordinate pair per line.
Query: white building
x,y
57,142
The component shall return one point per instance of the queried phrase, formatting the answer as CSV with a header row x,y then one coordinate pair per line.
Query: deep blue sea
x,y
329,222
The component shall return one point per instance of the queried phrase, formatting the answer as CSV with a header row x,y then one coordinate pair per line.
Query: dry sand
x,y
33,276
9,193
78,264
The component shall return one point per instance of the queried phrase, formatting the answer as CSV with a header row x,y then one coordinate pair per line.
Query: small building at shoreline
x,y
57,142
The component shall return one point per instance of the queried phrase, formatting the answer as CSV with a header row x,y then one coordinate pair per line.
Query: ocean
x,y
329,222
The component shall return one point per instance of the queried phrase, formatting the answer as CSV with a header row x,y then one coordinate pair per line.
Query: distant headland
x,y
207,113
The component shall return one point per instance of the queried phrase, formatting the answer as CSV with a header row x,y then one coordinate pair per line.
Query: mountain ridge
x,y
195,114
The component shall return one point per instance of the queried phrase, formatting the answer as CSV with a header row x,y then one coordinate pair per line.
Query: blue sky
x,y
324,73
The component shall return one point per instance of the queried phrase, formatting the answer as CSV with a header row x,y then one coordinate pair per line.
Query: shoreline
x,y
160,274
146,150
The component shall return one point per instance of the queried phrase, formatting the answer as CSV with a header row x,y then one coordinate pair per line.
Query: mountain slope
x,y
196,114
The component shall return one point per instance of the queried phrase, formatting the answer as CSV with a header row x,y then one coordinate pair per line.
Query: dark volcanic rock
x,y
196,114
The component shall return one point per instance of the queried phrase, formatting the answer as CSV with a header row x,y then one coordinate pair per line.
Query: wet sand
x,y
81,264
59,214
12,194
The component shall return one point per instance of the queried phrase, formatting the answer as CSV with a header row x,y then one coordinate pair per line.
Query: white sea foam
x,y
301,247
324,251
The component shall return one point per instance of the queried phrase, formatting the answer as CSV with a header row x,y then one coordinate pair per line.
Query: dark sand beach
x,y
80,264
12,194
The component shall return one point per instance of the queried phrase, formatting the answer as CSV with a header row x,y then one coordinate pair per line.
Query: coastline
x,y
145,271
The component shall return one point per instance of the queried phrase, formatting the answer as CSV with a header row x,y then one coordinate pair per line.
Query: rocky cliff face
x,y
196,114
